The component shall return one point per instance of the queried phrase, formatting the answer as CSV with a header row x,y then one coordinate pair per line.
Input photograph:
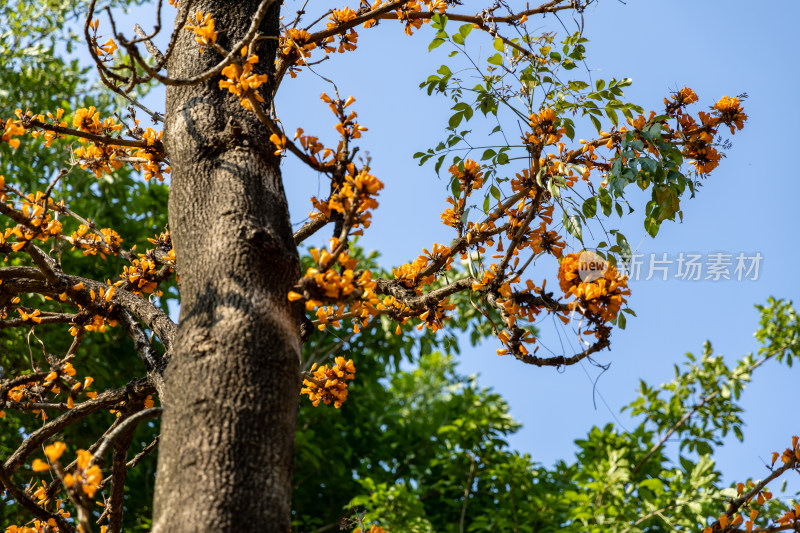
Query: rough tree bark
x,y
232,384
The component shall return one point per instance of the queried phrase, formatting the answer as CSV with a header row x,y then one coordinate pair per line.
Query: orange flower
x,y
731,113
55,450
39,466
203,28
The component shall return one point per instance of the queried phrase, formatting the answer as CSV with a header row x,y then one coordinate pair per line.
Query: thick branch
x,y
152,359
310,228
99,139
106,400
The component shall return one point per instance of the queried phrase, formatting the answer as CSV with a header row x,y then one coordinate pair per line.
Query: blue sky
x,y
748,205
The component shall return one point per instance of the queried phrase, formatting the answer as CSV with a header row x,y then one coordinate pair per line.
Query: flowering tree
x,y
229,373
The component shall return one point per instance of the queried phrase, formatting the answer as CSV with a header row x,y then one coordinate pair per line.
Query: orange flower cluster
x,y
96,319
88,120
34,316
107,243
761,497
372,529
35,391
87,477
602,297
405,12
541,239
40,224
434,316
348,127
789,454
42,499
294,46
506,339
404,15
143,275
50,136
106,50
336,295
730,113
99,158
791,517
451,216
545,131
323,284
203,28
241,81
310,145
11,129
698,138
470,178
518,305
411,273
328,385
347,40
153,163
318,154
675,103
354,199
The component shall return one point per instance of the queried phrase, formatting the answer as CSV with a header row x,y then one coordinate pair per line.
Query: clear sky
x,y
749,205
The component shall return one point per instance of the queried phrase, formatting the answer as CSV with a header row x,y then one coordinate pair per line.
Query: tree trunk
x,y
232,384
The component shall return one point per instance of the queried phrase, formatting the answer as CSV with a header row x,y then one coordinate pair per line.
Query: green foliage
x,y
425,450
35,75
523,75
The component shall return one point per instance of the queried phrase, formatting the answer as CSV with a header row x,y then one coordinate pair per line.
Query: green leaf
x,y
455,187
651,226
624,247
648,165
654,485
605,201
439,21
589,207
455,120
499,45
439,162
496,59
435,44
613,116
572,224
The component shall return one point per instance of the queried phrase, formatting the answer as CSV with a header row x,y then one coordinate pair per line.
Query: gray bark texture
x,y
232,383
